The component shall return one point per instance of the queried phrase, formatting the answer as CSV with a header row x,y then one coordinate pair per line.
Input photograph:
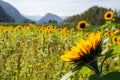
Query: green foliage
x,y
95,77
94,16
116,50
111,76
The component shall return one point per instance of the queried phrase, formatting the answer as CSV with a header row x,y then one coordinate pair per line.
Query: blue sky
x,y
60,7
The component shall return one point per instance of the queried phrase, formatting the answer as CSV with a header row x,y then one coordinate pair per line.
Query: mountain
x,y
4,17
50,17
13,12
38,17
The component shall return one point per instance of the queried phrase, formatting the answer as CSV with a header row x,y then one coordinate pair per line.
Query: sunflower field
x,y
46,52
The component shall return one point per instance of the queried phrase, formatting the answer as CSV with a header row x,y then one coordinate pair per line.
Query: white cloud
x,y
60,7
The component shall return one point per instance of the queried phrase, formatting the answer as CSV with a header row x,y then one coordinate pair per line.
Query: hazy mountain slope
x,y
12,11
4,17
49,17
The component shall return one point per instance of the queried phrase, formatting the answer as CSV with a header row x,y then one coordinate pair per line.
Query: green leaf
x,y
85,70
94,77
109,54
72,72
111,76
116,50
66,76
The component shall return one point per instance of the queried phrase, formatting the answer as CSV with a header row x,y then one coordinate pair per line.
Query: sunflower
x,y
85,50
118,40
117,31
82,25
71,29
50,31
5,31
59,30
109,15
18,28
114,39
66,35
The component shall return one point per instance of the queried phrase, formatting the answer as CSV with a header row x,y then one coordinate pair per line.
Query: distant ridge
x,y
4,17
50,16
12,12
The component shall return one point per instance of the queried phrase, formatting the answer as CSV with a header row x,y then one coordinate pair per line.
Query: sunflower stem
x,y
94,66
102,65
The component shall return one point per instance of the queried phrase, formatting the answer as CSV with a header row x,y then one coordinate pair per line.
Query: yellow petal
x,y
70,56
81,47
75,49
65,58
88,46
96,41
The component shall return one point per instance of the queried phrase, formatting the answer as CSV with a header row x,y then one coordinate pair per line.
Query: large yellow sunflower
x,y
109,15
85,50
82,25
